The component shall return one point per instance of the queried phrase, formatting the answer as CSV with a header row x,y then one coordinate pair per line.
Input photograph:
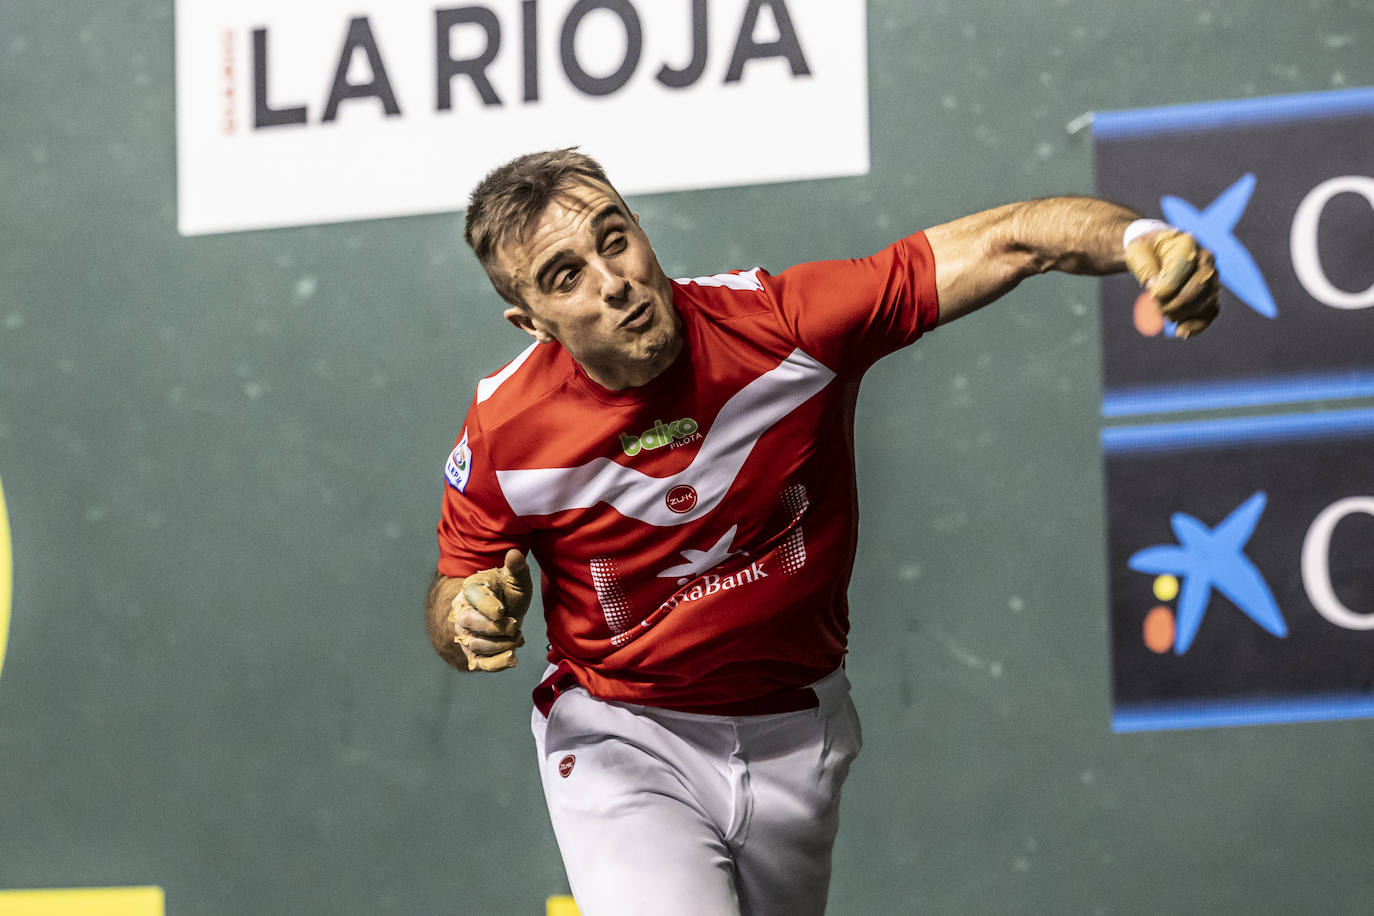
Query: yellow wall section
x,y
84,901
6,577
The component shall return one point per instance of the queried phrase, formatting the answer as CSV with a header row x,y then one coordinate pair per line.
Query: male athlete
x,y
679,456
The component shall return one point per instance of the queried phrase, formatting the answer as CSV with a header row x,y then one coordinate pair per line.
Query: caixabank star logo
x,y
1214,226
1241,557
1206,560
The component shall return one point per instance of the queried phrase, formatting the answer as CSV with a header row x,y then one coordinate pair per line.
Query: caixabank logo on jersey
x,y
1282,191
1241,557
1241,548
327,110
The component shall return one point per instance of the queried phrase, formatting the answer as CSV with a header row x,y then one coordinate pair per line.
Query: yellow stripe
x,y
84,901
560,906
6,577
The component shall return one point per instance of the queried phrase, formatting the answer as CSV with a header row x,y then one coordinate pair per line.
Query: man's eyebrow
x,y
541,276
603,215
606,213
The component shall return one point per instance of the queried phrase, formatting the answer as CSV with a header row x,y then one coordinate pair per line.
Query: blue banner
x,y
1241,547
1241,569
1282,190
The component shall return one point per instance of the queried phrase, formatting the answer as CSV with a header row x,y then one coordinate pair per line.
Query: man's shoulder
x,y
733,295
751,280
529,378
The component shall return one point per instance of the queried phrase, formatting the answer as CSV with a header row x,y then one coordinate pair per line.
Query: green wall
x,y
222,462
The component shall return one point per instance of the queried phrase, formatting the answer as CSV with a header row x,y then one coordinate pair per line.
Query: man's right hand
x,y
488,611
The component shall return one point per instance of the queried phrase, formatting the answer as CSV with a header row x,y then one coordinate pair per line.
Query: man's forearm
x,y
438,606
1077,235
983,256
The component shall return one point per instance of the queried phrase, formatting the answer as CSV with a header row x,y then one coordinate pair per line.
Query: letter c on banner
x,y
1316,564
6,569
1302,242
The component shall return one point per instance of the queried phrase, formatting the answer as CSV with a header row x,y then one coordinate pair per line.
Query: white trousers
x,y
665,813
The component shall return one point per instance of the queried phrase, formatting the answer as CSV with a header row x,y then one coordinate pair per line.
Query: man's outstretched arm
x,y
983,256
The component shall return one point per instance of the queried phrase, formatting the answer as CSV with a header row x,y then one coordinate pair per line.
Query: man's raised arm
x,y
981,257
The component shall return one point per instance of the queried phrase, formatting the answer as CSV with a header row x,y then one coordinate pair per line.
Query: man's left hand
x,y
1179,275
488,612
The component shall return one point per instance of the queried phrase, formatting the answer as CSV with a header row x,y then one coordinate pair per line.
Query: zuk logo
x,y
6,570
1206,559
1215,228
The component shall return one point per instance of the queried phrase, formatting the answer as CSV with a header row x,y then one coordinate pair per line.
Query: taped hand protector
x,y
1178,274
488,613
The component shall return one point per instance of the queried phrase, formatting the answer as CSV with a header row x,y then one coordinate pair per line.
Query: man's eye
x,y
565,279
614,244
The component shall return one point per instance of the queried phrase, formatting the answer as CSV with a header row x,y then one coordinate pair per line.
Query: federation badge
x,y
459,464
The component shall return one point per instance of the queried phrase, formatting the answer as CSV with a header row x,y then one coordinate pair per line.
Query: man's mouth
x,y
638,316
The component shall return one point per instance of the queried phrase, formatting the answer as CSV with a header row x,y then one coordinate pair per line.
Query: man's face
x,y
588,278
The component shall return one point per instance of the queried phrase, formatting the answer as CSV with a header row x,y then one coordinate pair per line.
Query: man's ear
x,y
522,320
636,216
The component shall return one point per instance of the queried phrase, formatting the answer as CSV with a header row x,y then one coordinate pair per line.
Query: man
x,y
679,457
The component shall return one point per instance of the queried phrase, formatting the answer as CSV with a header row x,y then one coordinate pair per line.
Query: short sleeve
x,y
476,525
850,313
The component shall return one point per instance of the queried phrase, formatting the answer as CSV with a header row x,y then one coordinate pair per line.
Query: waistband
x,y
823,693
793,699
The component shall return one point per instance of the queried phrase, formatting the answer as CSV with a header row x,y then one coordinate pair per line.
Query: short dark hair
x,y
511,197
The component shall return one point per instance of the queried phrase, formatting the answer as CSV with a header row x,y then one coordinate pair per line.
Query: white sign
x,y
320,111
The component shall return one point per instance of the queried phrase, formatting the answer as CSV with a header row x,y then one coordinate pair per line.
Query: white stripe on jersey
x,y
749,413
487,386
748,279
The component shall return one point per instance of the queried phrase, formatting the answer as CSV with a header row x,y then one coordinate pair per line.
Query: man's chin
x,y
661,346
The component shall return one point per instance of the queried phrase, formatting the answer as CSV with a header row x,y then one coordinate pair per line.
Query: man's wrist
x,y
1141,227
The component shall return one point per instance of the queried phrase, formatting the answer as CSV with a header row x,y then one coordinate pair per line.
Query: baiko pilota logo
x,y
659,435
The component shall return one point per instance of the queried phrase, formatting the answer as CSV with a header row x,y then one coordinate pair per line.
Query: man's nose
x,y
614,288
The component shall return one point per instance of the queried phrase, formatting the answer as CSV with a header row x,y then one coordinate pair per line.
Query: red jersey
x,y
695,535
